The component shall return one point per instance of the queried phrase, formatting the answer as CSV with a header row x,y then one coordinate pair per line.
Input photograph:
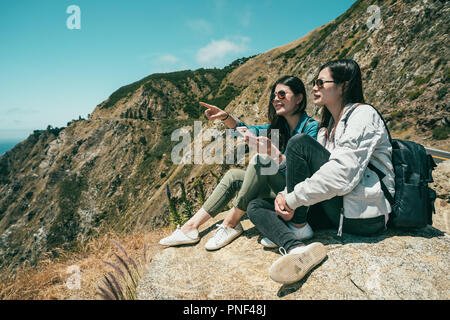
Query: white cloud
x,y
200,26
168,58
217,50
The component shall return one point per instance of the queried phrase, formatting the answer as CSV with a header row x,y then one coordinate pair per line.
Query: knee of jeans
x,y
253,207
298,139
230,175
259,159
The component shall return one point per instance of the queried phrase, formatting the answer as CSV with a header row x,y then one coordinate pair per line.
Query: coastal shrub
x,y
441,92
179,79
447,75
186,210
414,94
343,54
374,62
174,217
64,230
4,171
361,45
397,114
193,110
422,80
441,133
262,79
227,95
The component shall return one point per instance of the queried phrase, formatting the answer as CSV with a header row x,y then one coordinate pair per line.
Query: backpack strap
x,y
430,165
382,119
381,175
378,172
379,114
386,192
350,113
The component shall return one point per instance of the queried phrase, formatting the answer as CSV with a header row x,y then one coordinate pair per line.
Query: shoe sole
x,y
276,246
307,238
180,243
225,243
293,267
271,246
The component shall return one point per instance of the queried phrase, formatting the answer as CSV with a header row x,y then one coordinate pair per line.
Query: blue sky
x,y
50,74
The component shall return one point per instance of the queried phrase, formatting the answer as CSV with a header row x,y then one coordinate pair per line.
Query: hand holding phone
x,y
260,144
245,132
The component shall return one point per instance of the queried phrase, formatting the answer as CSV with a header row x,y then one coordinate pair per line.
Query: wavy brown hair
x,y
279,122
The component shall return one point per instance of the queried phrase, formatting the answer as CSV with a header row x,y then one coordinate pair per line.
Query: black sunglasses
x,y
320,82
280,94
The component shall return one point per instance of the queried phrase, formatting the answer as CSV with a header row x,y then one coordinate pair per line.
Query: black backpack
x,y
413,202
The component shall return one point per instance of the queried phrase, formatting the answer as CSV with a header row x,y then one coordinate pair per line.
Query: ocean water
x,y
6,145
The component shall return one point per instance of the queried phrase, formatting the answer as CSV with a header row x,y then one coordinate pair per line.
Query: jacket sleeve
x,y
347,161
253,128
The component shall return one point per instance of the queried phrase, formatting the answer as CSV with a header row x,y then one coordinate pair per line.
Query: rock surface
x,y
441,177
395,265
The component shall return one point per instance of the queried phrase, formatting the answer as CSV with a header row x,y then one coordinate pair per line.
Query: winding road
x,y
438,155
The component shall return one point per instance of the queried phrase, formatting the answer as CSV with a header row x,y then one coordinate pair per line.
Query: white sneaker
x,y
266,242
293,266
303,233
223,236
179,237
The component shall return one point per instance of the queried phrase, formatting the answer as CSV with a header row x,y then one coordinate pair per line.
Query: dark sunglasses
x,y
280,94
320,82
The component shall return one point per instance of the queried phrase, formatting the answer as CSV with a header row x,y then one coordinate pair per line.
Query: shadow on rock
x,y
287,289
329,236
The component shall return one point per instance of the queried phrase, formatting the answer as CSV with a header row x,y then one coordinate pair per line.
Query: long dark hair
x,y
279,122
341,71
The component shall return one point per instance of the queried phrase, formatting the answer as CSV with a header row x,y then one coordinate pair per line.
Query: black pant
x,y
304,156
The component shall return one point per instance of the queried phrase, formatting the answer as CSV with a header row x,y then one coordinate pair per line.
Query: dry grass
x,y
48,280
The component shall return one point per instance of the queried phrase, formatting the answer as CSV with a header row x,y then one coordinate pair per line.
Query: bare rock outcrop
x,y
441,176
394,265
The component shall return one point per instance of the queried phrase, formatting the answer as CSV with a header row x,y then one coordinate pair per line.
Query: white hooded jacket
x,y
360,138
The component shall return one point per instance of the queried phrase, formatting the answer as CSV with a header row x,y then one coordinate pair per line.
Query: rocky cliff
x,y
62,186
396,265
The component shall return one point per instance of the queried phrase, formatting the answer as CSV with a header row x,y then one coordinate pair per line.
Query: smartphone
x,y
244,131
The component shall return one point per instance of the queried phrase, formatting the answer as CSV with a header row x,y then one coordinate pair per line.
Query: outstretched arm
x,y
214,113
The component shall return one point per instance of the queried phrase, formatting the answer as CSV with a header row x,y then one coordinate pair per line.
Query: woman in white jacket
x,y
329,183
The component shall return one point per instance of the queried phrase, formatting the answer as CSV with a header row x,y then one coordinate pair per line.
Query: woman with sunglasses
x,y
329,183
286,113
